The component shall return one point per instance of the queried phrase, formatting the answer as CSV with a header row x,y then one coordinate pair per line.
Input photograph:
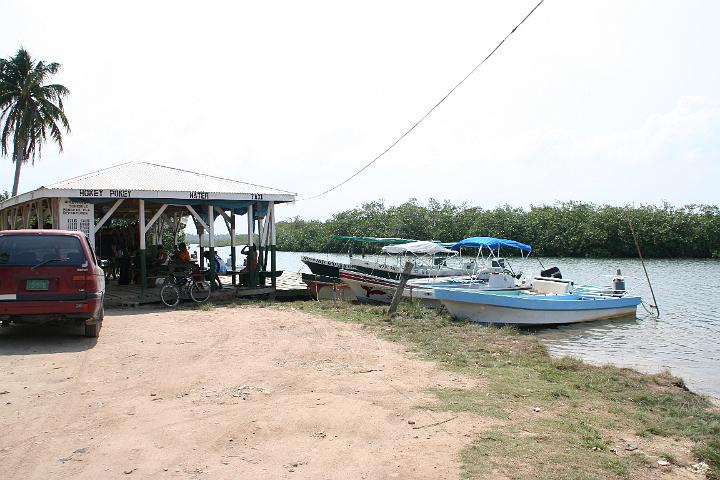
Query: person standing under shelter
x,y
246,251
220,267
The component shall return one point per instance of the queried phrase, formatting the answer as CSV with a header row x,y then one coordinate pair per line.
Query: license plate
x,y
37,284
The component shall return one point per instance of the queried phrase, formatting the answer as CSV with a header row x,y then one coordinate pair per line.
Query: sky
x,y
611,102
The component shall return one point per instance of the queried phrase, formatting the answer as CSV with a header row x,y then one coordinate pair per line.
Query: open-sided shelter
x,y
154,195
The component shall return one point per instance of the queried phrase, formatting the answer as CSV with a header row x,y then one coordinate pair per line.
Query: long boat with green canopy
x,y
429,258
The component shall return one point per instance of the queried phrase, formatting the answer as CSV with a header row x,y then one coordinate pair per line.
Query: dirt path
x,y
228,393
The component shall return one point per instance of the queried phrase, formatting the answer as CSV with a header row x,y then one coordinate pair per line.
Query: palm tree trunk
x,y
18,154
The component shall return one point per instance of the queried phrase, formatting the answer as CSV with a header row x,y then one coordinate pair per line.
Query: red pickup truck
x,y
50,276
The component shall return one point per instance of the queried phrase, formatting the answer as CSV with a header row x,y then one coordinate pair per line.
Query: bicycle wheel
x,y
170,295
200,291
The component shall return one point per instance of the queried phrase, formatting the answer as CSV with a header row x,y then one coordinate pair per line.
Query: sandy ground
x,y
228,393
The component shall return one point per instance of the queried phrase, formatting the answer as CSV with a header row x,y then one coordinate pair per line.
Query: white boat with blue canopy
x,y
544,300
493,272
449,270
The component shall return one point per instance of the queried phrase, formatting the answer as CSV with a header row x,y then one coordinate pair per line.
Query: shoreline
x,y
591,416
715,397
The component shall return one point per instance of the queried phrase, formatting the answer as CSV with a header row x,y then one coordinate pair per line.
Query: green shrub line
x,y
567,229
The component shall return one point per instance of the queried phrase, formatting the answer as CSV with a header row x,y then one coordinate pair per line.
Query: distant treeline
x,y
570,229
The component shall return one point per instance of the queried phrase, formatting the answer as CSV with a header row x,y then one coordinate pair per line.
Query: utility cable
x,y
401,137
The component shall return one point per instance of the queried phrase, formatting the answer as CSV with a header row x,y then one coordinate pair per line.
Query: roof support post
x,y
155,217
198,218
55,212
200,226
30,213
38,214
211,245
225,216
45,209
233,254
261,241
26,215
143,259
108,214
91,227
273,264
251,267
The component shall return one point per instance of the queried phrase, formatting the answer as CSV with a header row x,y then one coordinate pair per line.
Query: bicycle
x,y
183,284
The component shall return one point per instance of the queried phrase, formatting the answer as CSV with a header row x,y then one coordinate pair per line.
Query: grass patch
x,y
583,408
710,453
460,400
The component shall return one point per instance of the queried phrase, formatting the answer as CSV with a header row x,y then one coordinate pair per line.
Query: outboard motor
x,y
618,282
552,272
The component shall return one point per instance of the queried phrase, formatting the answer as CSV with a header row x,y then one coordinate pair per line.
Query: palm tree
x,y
30,109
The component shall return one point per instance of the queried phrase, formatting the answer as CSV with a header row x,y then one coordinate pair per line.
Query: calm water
x,y
685,339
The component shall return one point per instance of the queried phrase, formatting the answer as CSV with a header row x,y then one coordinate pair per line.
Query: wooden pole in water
x,y
401,286
637,246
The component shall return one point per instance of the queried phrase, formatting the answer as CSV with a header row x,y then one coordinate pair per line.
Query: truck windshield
x,y
31,250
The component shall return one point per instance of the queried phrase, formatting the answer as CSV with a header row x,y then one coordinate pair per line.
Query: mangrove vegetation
x,y
567,229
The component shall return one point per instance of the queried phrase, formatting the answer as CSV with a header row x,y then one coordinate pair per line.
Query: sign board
x,y
78,216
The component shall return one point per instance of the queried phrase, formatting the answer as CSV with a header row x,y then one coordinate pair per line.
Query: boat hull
x,y
379,290
369,288
393,272
327,288
326,268
330,268
534,310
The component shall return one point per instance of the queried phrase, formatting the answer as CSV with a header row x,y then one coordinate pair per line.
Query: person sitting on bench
x,y
182,253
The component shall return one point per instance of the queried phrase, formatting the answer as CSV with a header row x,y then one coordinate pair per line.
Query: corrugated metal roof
x,y
149,177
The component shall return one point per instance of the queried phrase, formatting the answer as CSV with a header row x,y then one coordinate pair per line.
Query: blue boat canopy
x,y
491,243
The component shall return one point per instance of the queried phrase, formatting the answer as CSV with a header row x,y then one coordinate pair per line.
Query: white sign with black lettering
x,y
77,216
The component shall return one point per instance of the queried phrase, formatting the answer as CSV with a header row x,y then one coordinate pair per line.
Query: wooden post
x,y
261,243
273,269
143,259
91,228
251,250
233,254
200,231
55,212
401,286
211,244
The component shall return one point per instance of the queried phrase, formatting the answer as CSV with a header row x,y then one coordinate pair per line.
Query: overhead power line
x,y
401,137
